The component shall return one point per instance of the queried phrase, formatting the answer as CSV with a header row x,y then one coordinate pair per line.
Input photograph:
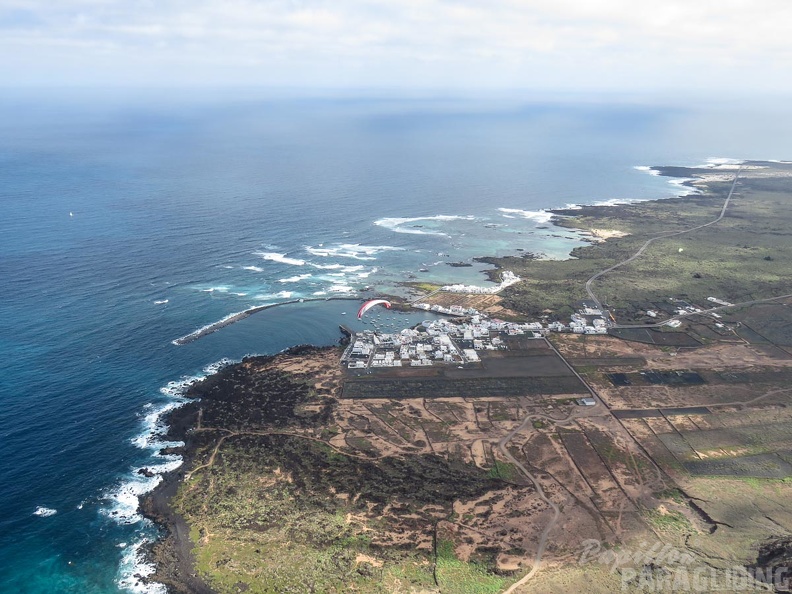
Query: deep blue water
x,y
110,204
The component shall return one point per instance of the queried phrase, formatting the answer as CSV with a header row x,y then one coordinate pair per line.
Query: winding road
x,y
653,239
556,511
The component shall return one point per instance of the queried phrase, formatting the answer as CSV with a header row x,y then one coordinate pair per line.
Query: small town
x,y
455,341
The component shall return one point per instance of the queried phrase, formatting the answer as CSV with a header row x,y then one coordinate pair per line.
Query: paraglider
x,y
369,304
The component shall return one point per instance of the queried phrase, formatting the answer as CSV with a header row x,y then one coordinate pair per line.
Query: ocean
x,y
128,221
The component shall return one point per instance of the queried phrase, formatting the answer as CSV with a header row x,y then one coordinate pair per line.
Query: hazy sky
x,y
629,45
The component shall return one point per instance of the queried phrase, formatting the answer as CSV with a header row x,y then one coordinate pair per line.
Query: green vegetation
x,y
668,521
503,470
422,286
454,575
285,514
672,493
728,259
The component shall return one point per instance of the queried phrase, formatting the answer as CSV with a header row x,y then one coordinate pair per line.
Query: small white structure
x,y
471,355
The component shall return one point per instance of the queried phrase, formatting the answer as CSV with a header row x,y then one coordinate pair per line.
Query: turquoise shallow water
x,y
127,223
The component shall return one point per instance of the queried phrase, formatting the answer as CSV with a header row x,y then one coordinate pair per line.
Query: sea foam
x,y
540,216
134,569
124,499
647,169
295,279
396,224
355,251
282,258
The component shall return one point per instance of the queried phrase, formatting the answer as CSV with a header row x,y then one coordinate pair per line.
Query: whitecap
x,y
295,279
253,268
396,224
647,169
616,201
341,289
721,163
327,266
44,512
160,301
282,258
125,498
271,296
684,190
134,569
540,216
351,250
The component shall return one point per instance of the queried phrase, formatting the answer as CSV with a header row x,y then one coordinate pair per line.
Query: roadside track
x,y
653,239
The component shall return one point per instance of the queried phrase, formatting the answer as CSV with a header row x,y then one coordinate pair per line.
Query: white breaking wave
x,y
647,169
617,201
268,296
341,289
160,301
253,268
44,512
540,216
282,258
720,163
328,266
124,499
350,250
684,190
134,567
395,224
295,279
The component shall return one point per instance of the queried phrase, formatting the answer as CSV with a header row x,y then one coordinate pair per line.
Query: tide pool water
x,y
126,223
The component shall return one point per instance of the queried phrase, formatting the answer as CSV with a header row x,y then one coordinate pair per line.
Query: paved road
x,y
653,239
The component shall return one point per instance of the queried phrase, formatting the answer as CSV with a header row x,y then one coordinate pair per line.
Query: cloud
x,y
619,44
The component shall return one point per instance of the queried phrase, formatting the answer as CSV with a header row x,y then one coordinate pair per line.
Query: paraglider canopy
x,y
369,304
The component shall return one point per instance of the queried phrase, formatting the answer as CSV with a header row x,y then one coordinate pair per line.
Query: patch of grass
x,y
455,576
668,521
503,470
428,287
672,493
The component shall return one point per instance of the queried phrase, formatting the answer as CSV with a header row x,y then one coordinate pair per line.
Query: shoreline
x,y
172,553
551,216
